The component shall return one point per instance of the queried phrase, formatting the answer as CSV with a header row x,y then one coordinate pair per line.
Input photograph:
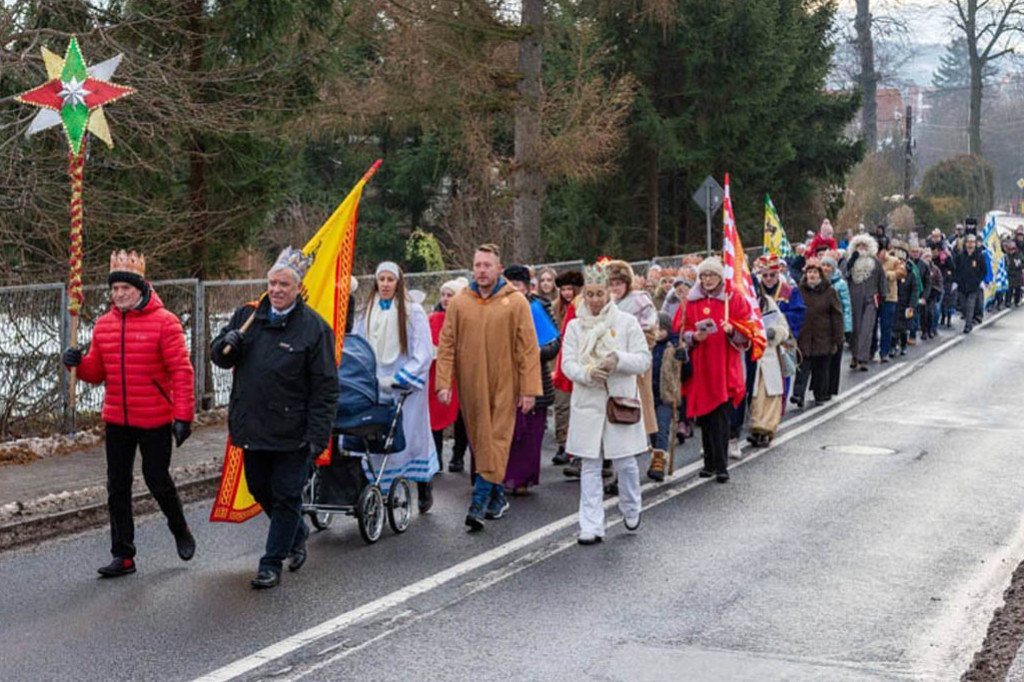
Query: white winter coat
x,y
590,433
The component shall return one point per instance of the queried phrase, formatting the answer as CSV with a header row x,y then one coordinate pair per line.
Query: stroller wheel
x,y
399,505
370,513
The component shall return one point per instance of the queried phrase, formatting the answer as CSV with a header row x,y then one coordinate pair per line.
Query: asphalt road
x,y
870,544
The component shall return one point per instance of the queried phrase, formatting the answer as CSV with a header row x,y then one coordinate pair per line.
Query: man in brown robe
x,y
489,347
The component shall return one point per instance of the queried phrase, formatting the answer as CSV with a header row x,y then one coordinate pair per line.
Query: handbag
x,y
624,410
789,355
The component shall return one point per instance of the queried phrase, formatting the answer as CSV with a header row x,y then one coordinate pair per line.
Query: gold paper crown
x,y
125,261
294,260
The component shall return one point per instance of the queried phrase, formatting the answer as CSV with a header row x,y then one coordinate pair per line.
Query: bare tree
x,y
989,27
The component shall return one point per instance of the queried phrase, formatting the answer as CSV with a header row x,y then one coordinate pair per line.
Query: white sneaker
x,y
734,449
631,522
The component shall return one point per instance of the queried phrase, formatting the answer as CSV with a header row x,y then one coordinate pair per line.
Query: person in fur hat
x,y
569,284
867,289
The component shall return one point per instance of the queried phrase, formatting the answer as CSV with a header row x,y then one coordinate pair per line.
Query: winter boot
x,y
656,472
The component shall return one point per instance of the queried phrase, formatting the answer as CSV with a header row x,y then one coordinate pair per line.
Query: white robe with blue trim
x,y
418,461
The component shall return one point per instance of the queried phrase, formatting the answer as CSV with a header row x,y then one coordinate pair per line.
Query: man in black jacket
x,y
970,273
284,396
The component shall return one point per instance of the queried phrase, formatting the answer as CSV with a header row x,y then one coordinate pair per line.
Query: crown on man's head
x,y
294,260
128,261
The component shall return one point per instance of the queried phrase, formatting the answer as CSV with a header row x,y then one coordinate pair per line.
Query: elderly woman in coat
x,y
603,354
769,382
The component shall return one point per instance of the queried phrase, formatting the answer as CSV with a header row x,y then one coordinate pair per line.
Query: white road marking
x,y
674,487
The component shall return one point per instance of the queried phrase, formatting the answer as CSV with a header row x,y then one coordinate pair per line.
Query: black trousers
x,y
461,442
816,369
276,480
714,436
835,370
155,446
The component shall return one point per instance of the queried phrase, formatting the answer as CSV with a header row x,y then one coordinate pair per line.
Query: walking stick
x,y
245,325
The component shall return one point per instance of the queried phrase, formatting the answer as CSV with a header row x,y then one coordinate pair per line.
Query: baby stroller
x,y
365,422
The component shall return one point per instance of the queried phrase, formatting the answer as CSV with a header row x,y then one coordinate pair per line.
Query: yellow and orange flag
x,y
325,289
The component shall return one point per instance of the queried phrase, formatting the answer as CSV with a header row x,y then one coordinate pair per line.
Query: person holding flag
x,y
721,325
284,395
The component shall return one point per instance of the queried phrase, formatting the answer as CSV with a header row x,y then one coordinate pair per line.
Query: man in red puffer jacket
x,y
138,349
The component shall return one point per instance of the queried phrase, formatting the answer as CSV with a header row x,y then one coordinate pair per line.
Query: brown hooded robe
x,y
490,347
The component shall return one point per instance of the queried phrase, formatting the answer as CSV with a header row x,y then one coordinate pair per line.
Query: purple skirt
x,y
524,455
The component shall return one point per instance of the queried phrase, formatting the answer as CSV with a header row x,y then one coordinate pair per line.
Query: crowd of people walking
x,y
615,364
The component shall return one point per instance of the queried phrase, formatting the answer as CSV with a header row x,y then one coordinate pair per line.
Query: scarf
x,y
382,331
597,342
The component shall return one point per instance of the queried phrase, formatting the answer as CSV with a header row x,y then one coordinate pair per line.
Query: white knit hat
x,y
713,265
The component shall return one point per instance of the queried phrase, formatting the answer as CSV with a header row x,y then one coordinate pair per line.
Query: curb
x,y
49,526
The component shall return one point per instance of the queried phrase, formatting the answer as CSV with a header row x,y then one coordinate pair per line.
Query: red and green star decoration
x,y
74,96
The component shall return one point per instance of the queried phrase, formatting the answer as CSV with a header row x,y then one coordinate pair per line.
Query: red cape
x,y
561,381
441,415
717,363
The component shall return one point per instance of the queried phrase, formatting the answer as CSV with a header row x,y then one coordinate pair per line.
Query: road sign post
x,y
709,196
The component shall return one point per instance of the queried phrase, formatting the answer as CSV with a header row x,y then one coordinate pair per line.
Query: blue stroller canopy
x,y
357,377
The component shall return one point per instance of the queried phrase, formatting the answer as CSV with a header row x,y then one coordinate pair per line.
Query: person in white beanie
x,y
442,416
399,333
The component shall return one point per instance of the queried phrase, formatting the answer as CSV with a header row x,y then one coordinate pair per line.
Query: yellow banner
x,y
325,288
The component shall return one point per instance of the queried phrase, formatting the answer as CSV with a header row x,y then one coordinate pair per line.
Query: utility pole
x,y
908,155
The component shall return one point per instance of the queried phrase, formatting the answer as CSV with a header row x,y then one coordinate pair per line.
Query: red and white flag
x,y
738,281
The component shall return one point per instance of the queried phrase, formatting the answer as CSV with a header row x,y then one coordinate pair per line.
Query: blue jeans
x,y
936,307
482,491
663,437
888,314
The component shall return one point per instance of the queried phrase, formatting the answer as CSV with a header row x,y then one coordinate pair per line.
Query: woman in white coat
x,y
769,384
399,332
603,354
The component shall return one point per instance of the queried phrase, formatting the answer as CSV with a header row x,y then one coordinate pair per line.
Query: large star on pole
x,y
74,96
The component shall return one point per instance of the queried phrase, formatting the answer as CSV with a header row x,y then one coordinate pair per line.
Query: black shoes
x,y
797,400
456,466
117,568
589,540
265,579
425,495
560,458
298,559
573,470
186,544
706,473
722,477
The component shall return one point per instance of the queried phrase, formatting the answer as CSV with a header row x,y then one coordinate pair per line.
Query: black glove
x,y
72,357
182,430
770,333
234,338
680,353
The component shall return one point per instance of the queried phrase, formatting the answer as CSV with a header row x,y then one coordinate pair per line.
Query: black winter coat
x,y
1015,268
970,270
284,391
906,298
548,352
822,330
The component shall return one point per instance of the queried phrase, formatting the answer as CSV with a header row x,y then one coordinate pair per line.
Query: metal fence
x,y
35,327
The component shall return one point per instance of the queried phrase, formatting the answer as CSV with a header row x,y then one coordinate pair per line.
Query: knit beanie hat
x,y
713,265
